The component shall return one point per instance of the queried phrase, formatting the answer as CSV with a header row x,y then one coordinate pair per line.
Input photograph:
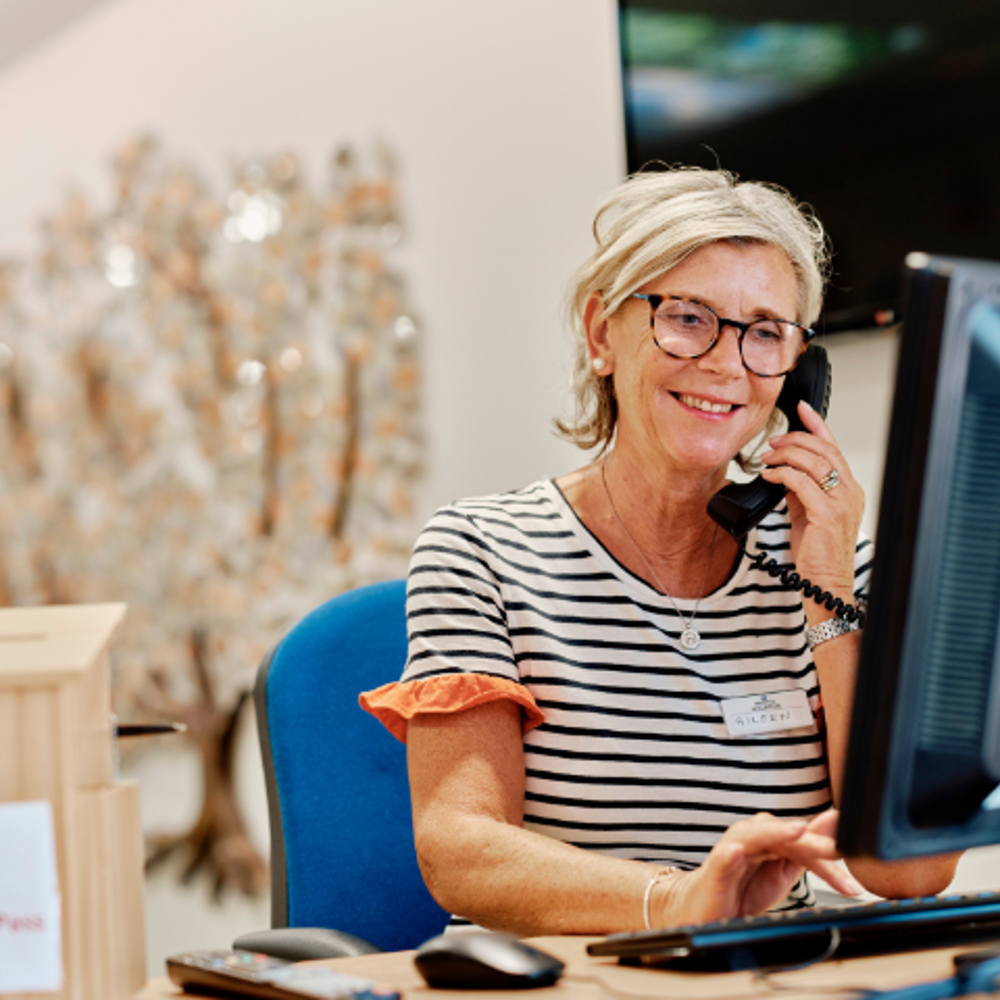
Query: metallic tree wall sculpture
x,y
209,409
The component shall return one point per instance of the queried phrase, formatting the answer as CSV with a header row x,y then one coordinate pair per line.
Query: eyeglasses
x,y
686,329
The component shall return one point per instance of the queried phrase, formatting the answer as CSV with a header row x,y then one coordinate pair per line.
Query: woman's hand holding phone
x,y
826,519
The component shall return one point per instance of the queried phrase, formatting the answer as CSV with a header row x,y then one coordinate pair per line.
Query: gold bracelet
x,y
660,876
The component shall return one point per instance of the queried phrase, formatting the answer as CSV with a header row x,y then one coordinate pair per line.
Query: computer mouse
x,y
484,960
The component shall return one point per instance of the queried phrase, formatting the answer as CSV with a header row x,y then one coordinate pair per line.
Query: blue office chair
x,y
343,866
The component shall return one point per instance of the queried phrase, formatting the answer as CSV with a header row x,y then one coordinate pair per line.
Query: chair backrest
x,y
342,853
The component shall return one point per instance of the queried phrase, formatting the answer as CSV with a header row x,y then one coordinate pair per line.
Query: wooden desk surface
x,y
583,973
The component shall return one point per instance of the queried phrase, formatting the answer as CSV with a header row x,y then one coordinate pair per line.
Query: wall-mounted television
x,y
882,115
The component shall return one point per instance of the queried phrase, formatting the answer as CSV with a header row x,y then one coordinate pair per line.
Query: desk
x,y
884,971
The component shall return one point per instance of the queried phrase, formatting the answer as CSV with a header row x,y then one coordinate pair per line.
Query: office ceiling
x,y
27,23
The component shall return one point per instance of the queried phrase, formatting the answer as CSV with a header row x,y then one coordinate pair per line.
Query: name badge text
x,y
768,713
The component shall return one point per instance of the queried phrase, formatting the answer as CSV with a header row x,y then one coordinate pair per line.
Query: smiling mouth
x,y
705,405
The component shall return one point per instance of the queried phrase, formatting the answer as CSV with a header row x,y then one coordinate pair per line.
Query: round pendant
x,y
690,638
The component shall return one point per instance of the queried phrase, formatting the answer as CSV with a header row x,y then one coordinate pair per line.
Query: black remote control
x,y
247,974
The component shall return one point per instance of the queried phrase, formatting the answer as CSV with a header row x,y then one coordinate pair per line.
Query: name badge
x,y
767,713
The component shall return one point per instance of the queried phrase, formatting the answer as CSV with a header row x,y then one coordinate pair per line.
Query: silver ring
x,y
829,481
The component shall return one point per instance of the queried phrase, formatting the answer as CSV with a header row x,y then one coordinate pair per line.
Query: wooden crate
x,y
56,744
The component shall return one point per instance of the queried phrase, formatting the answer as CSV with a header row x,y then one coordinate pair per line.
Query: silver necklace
x,y
690,638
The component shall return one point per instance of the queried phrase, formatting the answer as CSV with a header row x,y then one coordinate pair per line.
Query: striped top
x,y
633,757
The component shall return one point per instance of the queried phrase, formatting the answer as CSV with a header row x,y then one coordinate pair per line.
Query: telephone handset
x,y
739,507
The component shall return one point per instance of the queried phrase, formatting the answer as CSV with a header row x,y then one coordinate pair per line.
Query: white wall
x,y
864,367
506,117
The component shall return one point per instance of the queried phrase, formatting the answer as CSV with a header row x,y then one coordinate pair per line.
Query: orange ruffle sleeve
x,y
395,704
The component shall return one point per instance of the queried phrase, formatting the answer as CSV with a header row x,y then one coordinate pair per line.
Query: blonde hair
x,y
651,223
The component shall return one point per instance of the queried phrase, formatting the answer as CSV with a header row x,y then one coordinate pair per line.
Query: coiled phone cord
x,y
792,580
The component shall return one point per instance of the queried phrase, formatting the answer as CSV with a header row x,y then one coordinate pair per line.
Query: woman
x,y
584,652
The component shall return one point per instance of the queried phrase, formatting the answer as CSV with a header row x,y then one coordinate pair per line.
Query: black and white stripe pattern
x,y
634,758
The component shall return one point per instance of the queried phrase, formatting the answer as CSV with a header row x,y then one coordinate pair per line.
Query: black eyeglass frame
x,y
655,301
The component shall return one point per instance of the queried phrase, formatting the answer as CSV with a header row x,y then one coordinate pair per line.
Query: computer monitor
x,y
923,764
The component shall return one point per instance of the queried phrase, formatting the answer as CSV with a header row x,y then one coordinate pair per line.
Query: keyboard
x,y
794,937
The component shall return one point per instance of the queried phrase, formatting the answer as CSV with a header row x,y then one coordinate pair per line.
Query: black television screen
x,y
880,115
923,767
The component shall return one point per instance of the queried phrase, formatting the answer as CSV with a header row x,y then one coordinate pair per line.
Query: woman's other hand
x,y
752,868
825,522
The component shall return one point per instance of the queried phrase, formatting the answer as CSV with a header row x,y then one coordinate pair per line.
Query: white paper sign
x,y
768,713
30,930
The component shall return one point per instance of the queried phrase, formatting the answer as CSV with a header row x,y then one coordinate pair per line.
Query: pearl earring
x,y
598,364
